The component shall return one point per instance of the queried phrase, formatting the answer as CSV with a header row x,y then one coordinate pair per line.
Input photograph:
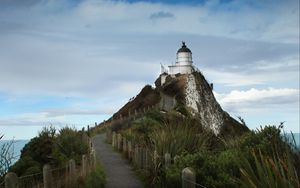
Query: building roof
x,y
184,48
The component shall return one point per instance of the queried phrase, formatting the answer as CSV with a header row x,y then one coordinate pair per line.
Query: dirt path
x,y
119,173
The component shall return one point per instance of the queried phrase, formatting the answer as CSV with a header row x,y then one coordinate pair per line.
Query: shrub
x,y
96,178
69,145
176,137
49,147
207,167
24,163
268,172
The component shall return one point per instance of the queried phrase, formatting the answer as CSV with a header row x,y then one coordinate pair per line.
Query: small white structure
x,y
184,62
183,65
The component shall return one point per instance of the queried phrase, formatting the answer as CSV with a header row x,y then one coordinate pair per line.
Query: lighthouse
x,y
184,62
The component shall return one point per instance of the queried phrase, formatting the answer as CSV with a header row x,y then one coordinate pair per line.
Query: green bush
x,y
51,148
175,137
267,172
23,164
69,145
208,167
96,178
218,161
155,115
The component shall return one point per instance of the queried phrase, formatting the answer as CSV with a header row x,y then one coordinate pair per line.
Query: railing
x,y
65,176
142,158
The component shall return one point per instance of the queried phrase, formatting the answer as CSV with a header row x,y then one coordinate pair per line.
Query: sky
x,y
76,62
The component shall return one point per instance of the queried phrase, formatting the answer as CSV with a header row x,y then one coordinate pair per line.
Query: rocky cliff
x,y
190,91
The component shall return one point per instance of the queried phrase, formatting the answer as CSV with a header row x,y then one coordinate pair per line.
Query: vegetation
x,y
260,158
96,178
6,156
50,147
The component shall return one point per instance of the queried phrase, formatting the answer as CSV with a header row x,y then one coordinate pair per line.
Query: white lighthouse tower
x,y
184,62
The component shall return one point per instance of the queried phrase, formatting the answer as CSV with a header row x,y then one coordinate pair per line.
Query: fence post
x,y
11,180
167,160
119,142
188,178
114,139
83,165
108,135
47,176
93,160
147,159
129,148
125,147
136,156
144,158
72,172
141,157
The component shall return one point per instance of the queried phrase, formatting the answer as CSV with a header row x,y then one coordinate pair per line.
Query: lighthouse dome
x,y
184,56
184,48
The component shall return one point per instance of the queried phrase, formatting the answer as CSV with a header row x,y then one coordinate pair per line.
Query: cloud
x,y
260,100
282,71
110,49
18,3
161,15
82,112
30,119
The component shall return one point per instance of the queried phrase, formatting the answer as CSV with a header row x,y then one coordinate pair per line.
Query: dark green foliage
x,y
36,153
155,115
269,160
183,110
69,145
50,148
32,170
39,149
176,137
219,161
22,166
208,167
95,179
140,129
275,172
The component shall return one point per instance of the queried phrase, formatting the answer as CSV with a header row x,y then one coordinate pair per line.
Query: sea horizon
x,y
20,143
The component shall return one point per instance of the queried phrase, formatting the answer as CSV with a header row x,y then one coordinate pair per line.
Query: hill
x,y
189,95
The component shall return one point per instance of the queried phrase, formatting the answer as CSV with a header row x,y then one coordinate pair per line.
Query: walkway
x,y
119,173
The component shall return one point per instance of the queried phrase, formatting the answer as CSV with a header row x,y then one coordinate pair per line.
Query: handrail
x,y
30,175
60,175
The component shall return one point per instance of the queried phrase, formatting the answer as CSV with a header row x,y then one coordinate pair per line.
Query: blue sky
x,y
77,62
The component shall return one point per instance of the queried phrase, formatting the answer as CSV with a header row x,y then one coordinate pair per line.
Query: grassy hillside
x,y
235,157
250,159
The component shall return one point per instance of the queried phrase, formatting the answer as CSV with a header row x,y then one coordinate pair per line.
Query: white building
x,y
184,62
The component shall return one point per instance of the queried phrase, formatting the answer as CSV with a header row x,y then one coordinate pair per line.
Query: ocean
x,y
17,147
296,136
